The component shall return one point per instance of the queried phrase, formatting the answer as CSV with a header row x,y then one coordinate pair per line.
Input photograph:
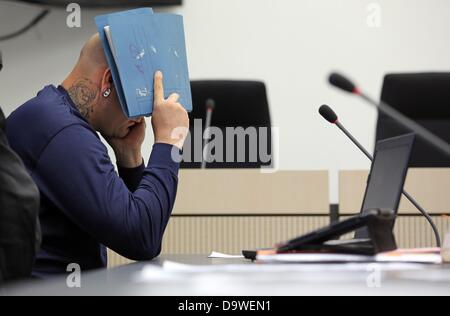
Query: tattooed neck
x,y
83,93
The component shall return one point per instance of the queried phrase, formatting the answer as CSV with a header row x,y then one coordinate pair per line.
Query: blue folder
x,y
143,42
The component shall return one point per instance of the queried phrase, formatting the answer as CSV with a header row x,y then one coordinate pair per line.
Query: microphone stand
x,y
343,83
406,194
210,105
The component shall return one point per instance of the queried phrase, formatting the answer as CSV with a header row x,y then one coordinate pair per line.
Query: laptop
x,y
381,201
387,177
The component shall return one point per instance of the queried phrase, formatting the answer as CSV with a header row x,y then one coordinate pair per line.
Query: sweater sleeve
x,y
76,173
132,176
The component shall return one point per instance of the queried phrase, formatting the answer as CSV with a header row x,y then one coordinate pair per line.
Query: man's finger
x,y
173,98
159,87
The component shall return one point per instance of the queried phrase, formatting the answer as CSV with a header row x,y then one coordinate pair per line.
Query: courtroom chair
x,y
424,98
237,104
20,233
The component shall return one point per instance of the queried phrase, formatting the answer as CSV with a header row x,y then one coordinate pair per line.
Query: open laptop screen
x,y
387,176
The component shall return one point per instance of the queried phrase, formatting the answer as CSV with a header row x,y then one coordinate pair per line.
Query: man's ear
x,y
107,80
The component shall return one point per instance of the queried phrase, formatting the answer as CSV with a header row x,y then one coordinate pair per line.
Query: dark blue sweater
x,y
85,205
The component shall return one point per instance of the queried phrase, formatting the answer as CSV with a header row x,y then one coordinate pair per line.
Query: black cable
x,y
27,27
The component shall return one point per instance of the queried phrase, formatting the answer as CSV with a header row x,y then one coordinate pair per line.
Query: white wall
x,y
292,45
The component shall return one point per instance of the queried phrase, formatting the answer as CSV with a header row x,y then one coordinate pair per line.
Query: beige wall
x,y
229,234
428,186
252,192
213,228
202,235
232,210
430,189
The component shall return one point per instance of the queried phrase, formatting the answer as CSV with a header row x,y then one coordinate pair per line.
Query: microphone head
x,y
343,83
210,104
328,114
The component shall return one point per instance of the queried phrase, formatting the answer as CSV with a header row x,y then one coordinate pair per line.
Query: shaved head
x,y
91,88
92,56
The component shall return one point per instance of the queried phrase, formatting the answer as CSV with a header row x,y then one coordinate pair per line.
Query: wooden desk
x,y
231,210
430,187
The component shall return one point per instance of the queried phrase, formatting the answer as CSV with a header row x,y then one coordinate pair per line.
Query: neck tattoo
x,y
83,93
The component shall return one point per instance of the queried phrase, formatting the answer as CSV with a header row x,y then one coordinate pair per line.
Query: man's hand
x,y
170,120
128,149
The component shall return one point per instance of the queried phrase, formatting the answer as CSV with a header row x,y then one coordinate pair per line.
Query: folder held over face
x,y
137,43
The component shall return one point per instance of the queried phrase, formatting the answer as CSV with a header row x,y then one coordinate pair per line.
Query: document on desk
x,y
137,43
313,258
219,255
427,256
174,271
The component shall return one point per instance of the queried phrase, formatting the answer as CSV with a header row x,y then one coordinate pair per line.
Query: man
x,y
19,207
85,205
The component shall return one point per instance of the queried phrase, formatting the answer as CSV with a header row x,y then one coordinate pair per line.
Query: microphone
x,y
1,61
345,84
328,114
210,106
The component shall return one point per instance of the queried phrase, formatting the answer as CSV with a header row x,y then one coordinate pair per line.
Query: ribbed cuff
x,y
132,176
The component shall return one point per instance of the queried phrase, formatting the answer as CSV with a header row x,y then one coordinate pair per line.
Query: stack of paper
x,y
219,255
424,256
138,43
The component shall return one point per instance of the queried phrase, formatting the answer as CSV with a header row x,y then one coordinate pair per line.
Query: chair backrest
x,y
237,104
19,207
425,98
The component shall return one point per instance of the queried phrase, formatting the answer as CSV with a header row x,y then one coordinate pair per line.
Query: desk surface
x,y
304,280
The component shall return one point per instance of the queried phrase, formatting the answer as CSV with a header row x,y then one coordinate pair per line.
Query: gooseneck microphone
x,y
343,83
210,106
328,114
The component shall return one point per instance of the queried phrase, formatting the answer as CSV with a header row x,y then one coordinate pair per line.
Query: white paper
x,y
110,41
174,271
313,258
425,258
215,254
413,258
